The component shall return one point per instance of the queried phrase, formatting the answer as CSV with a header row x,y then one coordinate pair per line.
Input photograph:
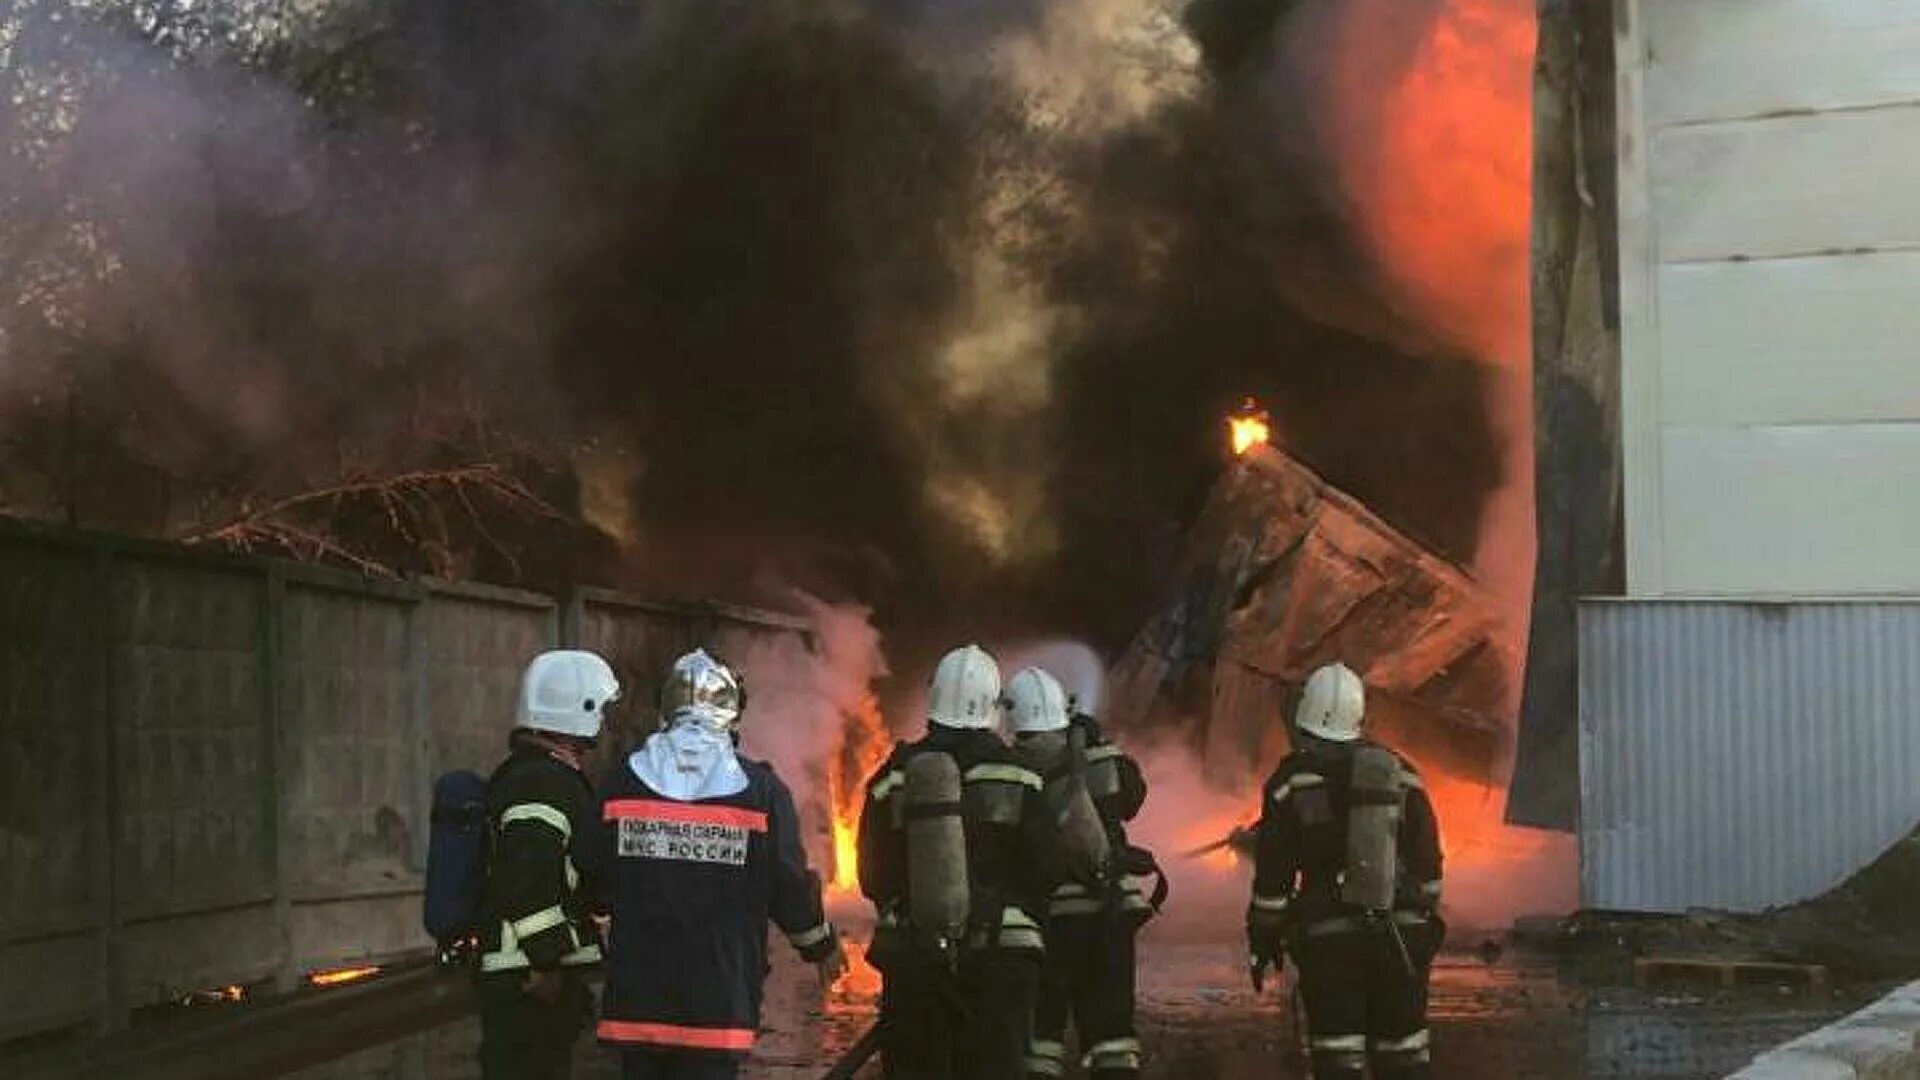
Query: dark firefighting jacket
x,y
691,888
1013,855
1301,847
541,872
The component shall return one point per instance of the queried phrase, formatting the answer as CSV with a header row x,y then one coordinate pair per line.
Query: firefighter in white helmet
x,y
536,934
958,855
1092,789
1347,880
704,851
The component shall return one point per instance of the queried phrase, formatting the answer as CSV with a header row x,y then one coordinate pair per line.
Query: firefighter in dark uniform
x,y
1347,880
958,856
704,851
1088,978
536,934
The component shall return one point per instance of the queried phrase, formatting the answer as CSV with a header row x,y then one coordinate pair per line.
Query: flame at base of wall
x,y
342,976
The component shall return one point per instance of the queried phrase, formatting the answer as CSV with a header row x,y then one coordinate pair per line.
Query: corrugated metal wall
x,y
217,770
1741,755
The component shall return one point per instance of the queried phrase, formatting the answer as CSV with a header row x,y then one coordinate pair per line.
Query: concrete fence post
x,y
273,773
113,1011
426,752
573,617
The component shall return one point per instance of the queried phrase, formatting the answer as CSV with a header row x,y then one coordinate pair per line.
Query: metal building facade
x,y
1742,755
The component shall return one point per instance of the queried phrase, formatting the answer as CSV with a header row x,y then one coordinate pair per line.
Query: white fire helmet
x,y
966,690
702,689
566,691
1037,702
1333,704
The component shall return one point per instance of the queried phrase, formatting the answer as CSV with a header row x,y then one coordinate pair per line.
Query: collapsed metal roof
x,y
1284,572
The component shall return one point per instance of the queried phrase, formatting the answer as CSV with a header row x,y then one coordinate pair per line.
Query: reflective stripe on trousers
x,y
1392,1055
1114,1055
1046,1058
676,1036
1017,930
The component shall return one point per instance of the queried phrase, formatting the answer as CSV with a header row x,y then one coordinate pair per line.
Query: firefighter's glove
x,y
544,986
1257,969
1265,955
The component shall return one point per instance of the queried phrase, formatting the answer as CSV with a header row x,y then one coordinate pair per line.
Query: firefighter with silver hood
x,y
536,933
958,854
1092,789
1347,880
704,851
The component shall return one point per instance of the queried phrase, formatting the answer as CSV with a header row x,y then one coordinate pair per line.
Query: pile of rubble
x,y
1865,928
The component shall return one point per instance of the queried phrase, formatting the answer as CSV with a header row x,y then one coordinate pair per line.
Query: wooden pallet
x,y
1729,972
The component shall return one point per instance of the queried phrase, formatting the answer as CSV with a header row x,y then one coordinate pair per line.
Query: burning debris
x,y
1248,427
342,976
1284,572
216,995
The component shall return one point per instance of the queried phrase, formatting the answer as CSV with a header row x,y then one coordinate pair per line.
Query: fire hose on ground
x,y
858,1055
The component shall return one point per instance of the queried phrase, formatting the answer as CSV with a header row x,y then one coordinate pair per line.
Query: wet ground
x,y
1521,1016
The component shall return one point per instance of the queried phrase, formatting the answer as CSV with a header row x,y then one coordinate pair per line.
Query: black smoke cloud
x,y
735,240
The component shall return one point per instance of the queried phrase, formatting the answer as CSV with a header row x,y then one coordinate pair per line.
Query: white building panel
x,y
1823,183
1828,340
1805,510
1818,55
1770,295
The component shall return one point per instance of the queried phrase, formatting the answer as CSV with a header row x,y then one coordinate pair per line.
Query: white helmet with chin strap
x,y
1333,705
566,691
966,690
1037,702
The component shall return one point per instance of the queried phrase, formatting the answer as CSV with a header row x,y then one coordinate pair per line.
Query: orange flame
x,y
1248,427
1436,161
342,976
859,988
863,743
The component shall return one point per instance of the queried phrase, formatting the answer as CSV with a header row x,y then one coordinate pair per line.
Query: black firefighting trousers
x,y
1088,980
1364,1001
523,1038
970,1024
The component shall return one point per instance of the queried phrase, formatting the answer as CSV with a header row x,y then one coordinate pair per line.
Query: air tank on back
x,y
1060,759
937,888
1373,829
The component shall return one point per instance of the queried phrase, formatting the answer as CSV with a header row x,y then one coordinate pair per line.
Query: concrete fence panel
x,y
53,790
352,818
218,770
194,873
476,641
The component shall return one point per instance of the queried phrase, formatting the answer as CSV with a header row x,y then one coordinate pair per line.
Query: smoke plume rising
x,y
804,699
927,308
930,306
